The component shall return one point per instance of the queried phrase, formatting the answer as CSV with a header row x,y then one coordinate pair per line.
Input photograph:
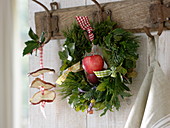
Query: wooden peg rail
x,y
129,15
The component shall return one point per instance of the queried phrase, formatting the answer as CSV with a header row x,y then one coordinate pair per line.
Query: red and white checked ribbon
x,y
43,103
42,106
41,60
84,23
42,90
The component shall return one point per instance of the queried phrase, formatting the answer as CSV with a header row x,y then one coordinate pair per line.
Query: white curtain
x,y
6,80
152,106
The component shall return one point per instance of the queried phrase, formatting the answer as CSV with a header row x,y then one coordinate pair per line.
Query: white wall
x,y
59,113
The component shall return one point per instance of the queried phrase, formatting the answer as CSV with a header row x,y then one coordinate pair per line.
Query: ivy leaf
x,y
31,45
63,55
32,35
29,42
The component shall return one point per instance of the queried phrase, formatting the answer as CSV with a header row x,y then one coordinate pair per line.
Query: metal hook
x,y
49,30
101,10
160,20
148,33
98,5
160,30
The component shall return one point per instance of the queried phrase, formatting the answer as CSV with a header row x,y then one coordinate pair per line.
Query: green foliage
x,y
31,45
32,35
34,43
119,47
79,100
75,46
119,52
102,30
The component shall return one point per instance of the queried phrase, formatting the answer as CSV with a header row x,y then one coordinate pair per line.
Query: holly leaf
x,y
31,45
32,35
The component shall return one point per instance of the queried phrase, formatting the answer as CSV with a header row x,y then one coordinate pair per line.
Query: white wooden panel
x,y
95,121
71,3
59,113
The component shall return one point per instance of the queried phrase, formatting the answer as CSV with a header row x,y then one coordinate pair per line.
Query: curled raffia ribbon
x,y
84,23
75,68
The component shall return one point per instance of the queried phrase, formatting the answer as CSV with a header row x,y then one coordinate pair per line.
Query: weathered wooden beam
x,y
129,15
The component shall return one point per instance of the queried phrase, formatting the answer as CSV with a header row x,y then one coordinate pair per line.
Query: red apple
x,y
92,78
93,63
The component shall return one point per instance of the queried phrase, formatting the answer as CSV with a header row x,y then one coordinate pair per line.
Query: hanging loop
x,y
49,16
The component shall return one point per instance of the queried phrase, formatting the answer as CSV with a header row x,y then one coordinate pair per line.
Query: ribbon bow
x,y
75,68
84,23
111,72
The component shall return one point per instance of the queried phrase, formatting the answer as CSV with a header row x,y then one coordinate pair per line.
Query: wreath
x,y
102,88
